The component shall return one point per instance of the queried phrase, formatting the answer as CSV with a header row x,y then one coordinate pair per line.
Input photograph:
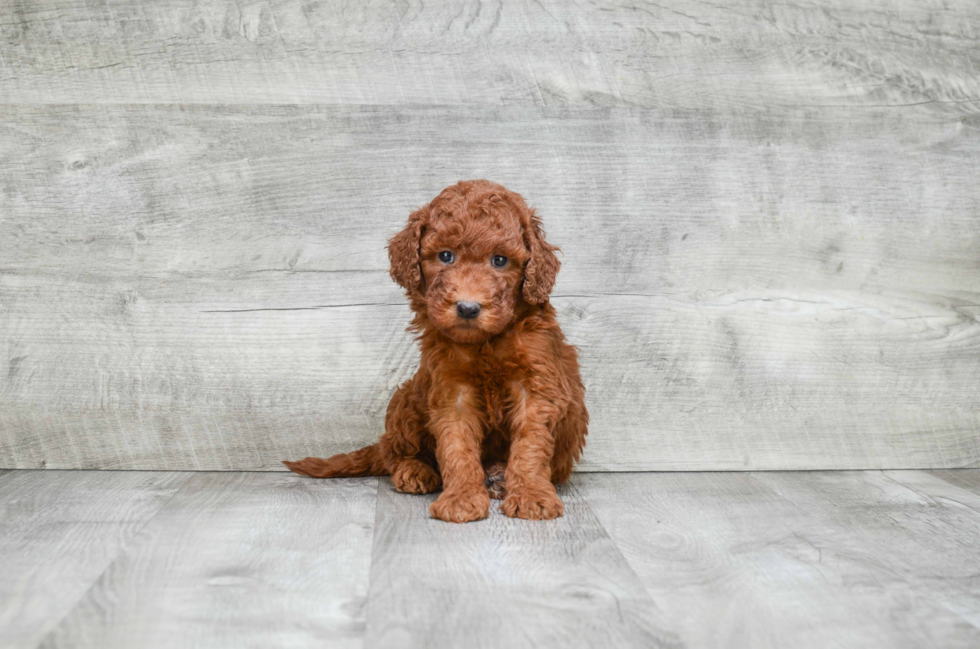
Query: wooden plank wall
x,y
770,216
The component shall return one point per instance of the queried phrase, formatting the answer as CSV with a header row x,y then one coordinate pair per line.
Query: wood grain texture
x,y
59,530
801,559
676,54
237,559
796,559
963,478
205,287
924,538
503,582
956,492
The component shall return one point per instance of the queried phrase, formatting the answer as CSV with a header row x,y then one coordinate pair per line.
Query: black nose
x,y
467,310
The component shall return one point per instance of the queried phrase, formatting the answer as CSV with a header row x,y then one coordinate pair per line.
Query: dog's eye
x,y
499,261
446,257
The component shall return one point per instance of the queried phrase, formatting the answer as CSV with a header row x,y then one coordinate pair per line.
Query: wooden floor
x,y
795,559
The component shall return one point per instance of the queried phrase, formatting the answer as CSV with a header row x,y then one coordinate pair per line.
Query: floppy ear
x,y
403,252
542,267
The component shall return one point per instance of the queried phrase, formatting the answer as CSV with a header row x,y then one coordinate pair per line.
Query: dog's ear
x,y
403,252
542,266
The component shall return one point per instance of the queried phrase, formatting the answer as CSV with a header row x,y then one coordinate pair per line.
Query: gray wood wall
x,y
770,215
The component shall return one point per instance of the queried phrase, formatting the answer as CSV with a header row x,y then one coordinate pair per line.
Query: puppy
x,y
497,405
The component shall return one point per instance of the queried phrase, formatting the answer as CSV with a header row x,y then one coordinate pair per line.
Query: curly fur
x,y
497,405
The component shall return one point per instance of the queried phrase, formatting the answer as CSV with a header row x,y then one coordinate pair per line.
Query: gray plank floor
x,y
770,559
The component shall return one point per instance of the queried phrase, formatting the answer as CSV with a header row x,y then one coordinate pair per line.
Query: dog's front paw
x,y
461,506
415,477
534,504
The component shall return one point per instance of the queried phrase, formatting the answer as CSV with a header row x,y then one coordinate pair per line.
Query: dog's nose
x,y
468,310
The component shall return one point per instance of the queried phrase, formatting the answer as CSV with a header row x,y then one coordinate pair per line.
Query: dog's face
x,y
470,257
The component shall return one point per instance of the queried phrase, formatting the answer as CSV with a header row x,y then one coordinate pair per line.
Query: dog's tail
x,y
364,462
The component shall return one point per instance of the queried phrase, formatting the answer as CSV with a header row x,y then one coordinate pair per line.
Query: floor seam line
x,y
615,545
115,557
374,544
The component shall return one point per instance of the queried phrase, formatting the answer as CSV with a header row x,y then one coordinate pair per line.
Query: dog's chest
x,y
492,375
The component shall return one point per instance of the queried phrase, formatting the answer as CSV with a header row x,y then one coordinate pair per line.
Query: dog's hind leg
x,y
404,444
413,476
494,479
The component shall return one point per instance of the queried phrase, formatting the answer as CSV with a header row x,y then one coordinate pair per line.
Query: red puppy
x,y
498,388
